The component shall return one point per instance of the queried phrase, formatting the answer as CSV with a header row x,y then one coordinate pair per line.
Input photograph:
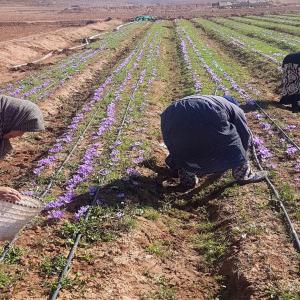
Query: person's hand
x,y
13,134
9,194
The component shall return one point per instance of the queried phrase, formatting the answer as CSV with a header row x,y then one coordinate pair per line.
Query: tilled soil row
x,y
58,109
260,262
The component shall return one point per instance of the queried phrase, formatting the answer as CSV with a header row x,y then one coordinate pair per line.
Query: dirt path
x,y
9,32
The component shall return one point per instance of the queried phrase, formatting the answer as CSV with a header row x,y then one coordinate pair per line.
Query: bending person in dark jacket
x,y
205,135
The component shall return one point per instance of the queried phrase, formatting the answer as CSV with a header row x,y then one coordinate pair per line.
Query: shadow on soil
x,y
156,191
265,104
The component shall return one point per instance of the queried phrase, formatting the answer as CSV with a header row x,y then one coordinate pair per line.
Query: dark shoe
x,y
187,180
255,177
296,107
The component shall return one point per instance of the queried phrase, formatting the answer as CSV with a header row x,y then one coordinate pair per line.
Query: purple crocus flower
x,y
55,214
290,127
119,215
265,126
132,172
291,150
81,212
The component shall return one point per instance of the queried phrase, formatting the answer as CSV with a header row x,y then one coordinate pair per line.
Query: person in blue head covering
x,y
205,135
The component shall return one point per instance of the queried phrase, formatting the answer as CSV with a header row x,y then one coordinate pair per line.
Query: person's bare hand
x,y
9,194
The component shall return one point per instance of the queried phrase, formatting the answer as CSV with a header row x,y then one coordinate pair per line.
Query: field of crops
x,y
110,228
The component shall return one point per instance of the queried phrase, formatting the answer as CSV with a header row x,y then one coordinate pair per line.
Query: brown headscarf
x,y
17,114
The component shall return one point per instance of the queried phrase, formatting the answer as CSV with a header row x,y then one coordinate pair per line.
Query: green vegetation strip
x,y
269,25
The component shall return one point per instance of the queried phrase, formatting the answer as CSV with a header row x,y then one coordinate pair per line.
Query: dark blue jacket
x,y
205,134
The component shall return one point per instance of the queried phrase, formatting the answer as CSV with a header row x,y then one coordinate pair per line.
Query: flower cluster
x,y
81,212
208,69
68,136
263,151
188,62
86,167
291,150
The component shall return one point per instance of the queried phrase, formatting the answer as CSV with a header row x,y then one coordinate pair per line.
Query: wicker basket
x,y
14,216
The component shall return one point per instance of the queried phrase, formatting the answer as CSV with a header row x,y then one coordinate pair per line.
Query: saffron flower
x,y
81,212
55,214
291,150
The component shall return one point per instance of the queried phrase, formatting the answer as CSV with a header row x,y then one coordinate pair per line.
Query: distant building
x,y
223,4
259,2
241,3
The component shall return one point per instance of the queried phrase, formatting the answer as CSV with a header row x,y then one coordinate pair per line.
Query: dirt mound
x,y
32,47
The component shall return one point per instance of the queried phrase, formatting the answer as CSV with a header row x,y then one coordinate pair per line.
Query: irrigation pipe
x,y
274,123
87,42
71,254
122,25
277,126
289,223
64,272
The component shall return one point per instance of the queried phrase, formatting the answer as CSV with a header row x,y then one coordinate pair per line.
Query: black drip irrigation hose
x,y
278,201
71,254
287,218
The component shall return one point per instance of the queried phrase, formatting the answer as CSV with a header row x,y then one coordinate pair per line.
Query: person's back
x,y
291,81
205,134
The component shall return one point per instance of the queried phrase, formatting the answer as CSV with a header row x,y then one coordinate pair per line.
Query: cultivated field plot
x,y
110,228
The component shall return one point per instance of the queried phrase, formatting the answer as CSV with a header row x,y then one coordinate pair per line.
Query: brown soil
x,y
124,269
255,265
19,30
29,48
124,10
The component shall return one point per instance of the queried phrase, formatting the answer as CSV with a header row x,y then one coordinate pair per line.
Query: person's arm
x,y
240,122
9,194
